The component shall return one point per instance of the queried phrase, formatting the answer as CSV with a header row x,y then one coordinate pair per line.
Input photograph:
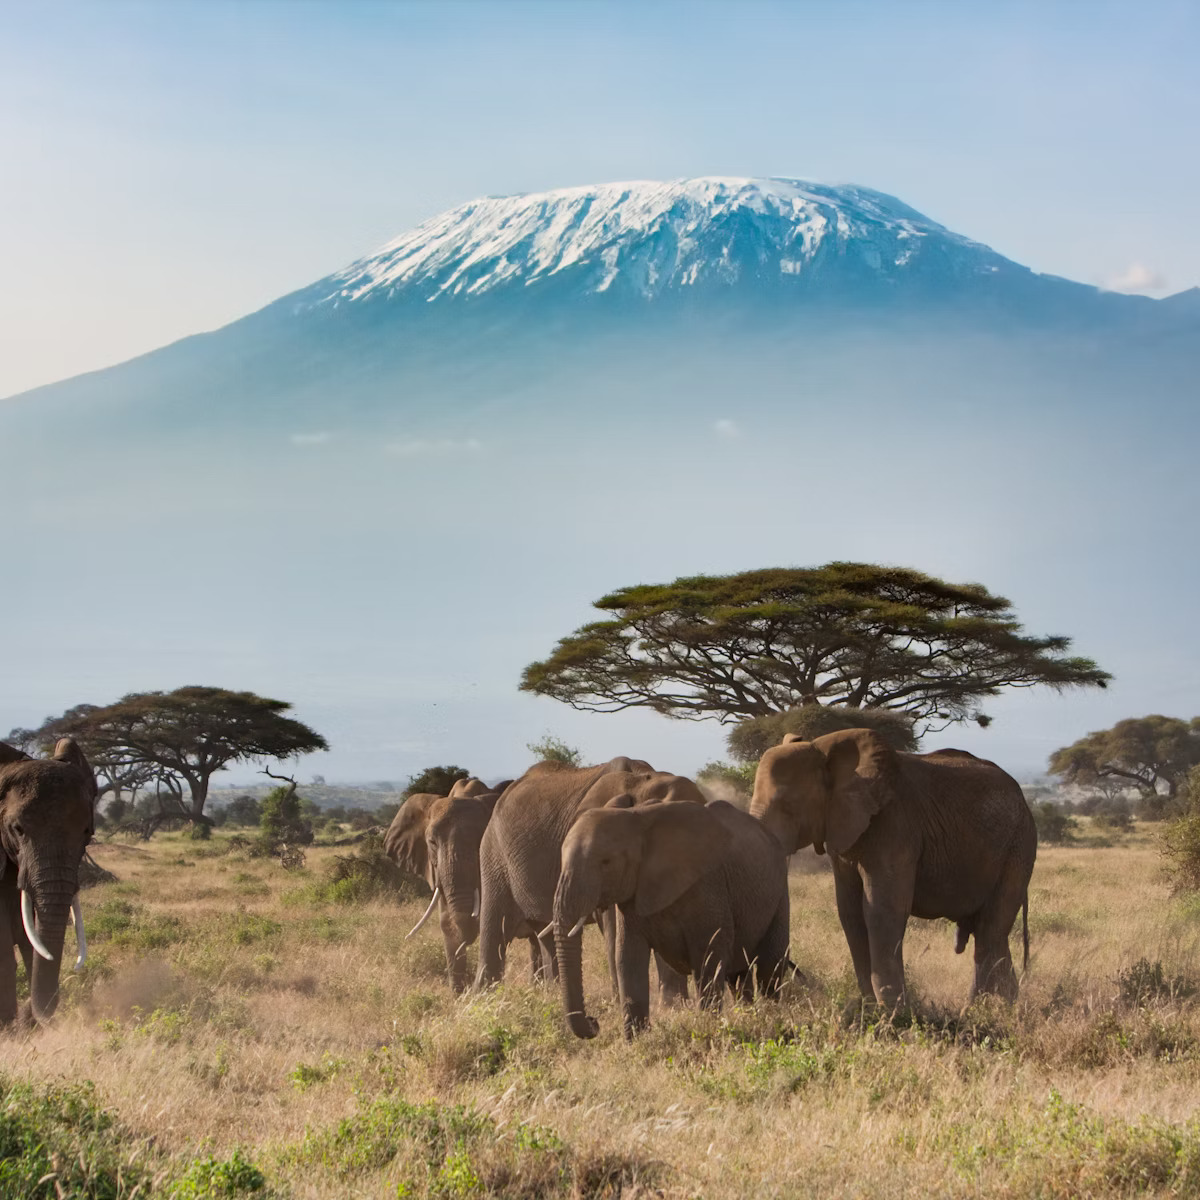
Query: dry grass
x,y
226,1006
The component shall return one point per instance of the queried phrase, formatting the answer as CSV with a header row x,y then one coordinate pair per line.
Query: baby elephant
x,y
705,887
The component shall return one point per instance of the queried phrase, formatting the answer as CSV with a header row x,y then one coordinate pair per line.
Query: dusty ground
x,y
228,1005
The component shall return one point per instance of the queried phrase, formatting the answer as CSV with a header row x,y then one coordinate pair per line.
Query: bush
x,y
242,810
437,781
200,831
721,778
1054,826
552,749
1181,838
282,820
749,740
368,874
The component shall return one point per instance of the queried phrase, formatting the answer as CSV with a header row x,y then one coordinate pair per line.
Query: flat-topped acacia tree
x,y
732,647
190,733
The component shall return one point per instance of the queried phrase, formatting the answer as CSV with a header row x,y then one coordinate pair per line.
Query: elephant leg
x,y
994,973
771,961
672,986
546,968
8,966
850,906
608,924
493,938
456,953
633,972
887,907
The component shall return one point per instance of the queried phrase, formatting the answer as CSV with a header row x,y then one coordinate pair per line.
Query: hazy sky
x,y
169,167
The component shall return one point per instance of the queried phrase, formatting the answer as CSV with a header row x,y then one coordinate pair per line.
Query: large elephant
x,y
438,837
47,818
519,856
928,835
706,888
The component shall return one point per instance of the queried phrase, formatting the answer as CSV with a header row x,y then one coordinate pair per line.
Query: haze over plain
x,y
392,573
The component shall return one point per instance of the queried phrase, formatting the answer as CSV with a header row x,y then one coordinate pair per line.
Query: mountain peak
x,y
645,238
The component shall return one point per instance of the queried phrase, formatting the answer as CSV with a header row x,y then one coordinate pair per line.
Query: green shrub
x,y
738,778
368,874
283,819
214,1179
1054,826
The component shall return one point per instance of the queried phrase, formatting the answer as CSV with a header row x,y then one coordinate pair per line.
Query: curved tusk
x,y
475,910
30,932
578,926
80,936
546,932
437,891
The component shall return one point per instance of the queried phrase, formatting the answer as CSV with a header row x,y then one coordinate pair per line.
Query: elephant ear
x,y
67,750
404,841
10,754
681,844
861,768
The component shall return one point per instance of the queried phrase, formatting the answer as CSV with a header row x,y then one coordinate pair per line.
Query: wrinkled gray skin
x,y
47,818
437,837
706,888
928,835
519,855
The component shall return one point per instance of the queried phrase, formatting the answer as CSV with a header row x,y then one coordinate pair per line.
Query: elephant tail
x,y
1025,928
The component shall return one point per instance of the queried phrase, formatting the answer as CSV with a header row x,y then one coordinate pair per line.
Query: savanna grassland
x,y
241,1029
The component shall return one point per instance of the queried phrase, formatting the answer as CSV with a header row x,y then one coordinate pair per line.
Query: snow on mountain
x,y
646,238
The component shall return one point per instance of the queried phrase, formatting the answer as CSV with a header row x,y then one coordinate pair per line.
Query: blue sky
x,y
169,167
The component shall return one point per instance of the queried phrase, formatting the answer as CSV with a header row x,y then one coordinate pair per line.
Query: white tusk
x,y
546,932
578,926
30,932
475,910
80,936
437,891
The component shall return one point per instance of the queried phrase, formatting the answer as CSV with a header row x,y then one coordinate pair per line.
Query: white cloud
x,y
429,447
726,428
310,439
1136,278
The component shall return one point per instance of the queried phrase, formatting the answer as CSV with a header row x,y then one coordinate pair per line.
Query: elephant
x,y
438,838
943,834
704,887
520,853
47,818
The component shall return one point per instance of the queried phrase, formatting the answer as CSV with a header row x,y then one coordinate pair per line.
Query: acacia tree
x,y
1146,753
737,646
186,735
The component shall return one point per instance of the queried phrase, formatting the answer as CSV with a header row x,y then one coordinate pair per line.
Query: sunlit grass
x,y
232,1007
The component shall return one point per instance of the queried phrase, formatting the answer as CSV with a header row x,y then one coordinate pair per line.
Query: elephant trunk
x,y
51,903
570,908
460,894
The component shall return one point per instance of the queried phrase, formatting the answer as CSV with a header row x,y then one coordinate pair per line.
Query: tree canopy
x,y
731,647
188,734
1147,753
436,781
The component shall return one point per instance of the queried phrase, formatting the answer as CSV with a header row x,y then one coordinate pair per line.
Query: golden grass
x,y
224,1007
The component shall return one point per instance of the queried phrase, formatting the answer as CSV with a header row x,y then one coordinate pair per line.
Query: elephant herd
x,y
702,886
699,886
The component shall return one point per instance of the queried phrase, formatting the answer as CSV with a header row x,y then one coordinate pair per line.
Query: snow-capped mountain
x,y
647,238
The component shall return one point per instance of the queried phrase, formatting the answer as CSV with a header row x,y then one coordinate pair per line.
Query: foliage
x,y
282,819
368,874
188,734
552,749
720,775
1054,825
243,810
1148,753
436,781
1181,838
215,1179
737,646
748,740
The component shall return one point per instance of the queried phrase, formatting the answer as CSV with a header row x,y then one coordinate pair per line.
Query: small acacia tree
x,y
1152,754
436,781
552,749
858,635
188,734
